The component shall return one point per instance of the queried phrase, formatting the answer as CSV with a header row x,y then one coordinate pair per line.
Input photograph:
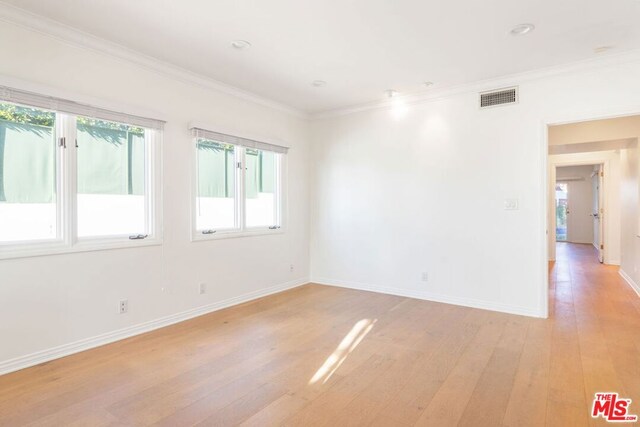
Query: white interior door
x,y
598,212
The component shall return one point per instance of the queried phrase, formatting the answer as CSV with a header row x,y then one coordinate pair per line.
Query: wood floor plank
x,y
364,408
447,405
527,404
431,370
276,412
488,409
319,412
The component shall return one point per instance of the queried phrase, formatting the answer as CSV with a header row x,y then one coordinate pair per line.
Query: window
x,y
261,181
111,178
216,199
28,174
74,181
238,185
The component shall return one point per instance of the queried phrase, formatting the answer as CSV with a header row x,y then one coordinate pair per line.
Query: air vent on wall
x,y
499,97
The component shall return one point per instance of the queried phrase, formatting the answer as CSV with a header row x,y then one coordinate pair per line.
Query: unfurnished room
x,y
319,213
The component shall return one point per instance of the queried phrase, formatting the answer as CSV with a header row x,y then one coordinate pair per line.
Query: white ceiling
x,y
360,47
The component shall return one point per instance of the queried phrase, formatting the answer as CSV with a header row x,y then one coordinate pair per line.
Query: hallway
x,y
595,345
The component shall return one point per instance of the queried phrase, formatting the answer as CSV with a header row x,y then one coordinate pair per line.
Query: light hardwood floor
x,y
320,355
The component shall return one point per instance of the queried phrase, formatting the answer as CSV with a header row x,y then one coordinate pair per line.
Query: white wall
x,y
423,190
51,301
630,262
580,204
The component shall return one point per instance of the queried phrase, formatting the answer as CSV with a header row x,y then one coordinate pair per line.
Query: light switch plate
x,y
510,204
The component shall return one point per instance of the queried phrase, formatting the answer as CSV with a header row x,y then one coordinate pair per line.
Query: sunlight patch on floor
x,y
340,354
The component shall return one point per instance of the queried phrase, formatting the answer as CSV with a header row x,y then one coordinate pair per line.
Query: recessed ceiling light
x,y
240,44
522,29
427,84
391,93
601,49
318,83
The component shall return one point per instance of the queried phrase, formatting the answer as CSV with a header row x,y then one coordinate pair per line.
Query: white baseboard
x,y
430,296
36,358
630,281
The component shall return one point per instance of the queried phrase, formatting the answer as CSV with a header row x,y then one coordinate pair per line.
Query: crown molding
x,y
81,39
484,85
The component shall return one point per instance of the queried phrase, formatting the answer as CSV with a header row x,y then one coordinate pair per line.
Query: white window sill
x,y
58,248
232,234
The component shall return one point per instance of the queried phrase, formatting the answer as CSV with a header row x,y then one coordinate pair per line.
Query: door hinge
x,y
239,165
601,173
601,246
62,142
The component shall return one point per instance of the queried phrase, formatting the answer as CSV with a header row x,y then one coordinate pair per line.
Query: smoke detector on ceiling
x,y
240,44
522,29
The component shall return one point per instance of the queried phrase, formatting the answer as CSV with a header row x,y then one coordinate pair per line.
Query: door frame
x,y
544,181
598,159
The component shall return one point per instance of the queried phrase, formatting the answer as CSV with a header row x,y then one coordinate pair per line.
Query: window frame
x,y
241,229
67,240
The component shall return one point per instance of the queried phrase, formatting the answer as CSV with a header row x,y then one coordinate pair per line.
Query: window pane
x,y
27,174
111,178
260,187
215,204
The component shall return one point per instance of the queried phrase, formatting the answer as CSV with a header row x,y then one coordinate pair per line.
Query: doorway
x,y
562,201
610,146
578,210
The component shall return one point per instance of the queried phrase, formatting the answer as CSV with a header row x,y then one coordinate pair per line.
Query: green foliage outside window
x,y
32,116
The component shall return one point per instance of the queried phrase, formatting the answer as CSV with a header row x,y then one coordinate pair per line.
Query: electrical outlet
x,y
291,268
425,276
202,288
123,306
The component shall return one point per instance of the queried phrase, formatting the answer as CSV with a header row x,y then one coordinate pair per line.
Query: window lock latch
x,y
208,231
274,227
138,236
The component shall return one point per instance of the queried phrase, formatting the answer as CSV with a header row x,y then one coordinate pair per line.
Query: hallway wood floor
x,y
320,355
